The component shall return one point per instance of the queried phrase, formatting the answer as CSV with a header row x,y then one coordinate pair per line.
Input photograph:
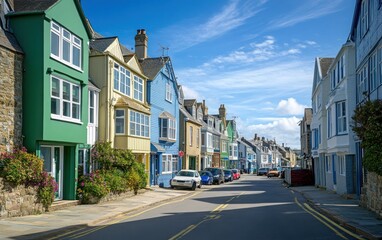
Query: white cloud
x,y
290,107
307,11
190,93
284,130
233,15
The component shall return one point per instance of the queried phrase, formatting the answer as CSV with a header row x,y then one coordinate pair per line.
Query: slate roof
x,y
101,44
324,65
189,102
125,51
152,66
8,40
33,5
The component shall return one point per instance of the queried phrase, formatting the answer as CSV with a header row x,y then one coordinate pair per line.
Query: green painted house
x,y
54,36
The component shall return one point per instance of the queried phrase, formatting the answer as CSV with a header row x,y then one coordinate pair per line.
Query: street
x,y
250,208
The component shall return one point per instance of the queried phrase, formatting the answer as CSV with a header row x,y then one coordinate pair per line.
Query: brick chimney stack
x,y
222,111
141,40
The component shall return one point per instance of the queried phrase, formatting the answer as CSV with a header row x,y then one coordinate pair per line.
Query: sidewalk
x,y
40,226
345,212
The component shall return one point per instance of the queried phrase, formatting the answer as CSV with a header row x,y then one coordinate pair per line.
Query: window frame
x,y
170,128
342,164
138,89
122,79
74,42
168,91
62,100
166,163
341,118
364,18
143,126
123,117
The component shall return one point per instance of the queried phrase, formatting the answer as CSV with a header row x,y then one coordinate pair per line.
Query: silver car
x,y
186,179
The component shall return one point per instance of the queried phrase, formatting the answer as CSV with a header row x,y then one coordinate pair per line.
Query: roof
x,y
152,66
189,116
324,65
125,51
33,5
21,7
125,101
101,44
189,102
9,41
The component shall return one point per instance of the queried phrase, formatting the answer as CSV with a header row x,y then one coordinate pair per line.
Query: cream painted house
x,y
124,115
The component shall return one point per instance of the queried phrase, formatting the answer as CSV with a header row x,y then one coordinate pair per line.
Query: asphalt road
x,y
250,208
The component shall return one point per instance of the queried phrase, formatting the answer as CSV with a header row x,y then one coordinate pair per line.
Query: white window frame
x,y
362,83
121,118
341,117
61,99
139,124
138,88
93,107
330,122
74,43
122,79
168,91
224,146
166,163
210,143
342,164
174,163
328,163
168,128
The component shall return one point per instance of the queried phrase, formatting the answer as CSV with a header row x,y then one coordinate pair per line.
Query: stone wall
x,y
371,196
10,99
18,201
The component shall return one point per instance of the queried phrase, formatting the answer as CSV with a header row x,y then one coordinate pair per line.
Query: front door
x,y
53,164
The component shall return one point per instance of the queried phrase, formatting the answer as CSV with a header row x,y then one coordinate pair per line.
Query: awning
x,y
156,147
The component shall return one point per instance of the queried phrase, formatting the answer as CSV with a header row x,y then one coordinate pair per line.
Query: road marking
x,y
120,218
183,232
319,219
330,221
326,221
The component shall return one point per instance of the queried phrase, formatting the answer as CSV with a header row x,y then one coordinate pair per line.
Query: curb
x,y
340,220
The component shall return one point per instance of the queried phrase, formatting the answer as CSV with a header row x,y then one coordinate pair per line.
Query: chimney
x,y
141,44
222,112
205,108
255,138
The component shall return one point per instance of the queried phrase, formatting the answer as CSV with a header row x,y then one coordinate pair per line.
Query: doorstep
x,y
61,204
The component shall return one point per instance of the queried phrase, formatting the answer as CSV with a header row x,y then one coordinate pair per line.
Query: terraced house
x,y
55,84
124,114
163,97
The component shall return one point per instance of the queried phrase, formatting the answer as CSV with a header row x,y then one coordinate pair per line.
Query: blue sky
x,y
254,56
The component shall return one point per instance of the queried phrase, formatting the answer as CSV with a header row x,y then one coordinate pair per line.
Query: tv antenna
x,y
164,50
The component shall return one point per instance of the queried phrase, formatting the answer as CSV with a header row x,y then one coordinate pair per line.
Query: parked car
x,y
236,174
186,179
262,171
228,175
217,173
207,178
274,172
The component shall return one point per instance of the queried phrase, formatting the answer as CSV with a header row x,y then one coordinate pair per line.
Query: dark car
x,y
217,173
262,171
228,175
207,178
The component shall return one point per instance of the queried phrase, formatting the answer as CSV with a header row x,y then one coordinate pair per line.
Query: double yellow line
x,y
326,221
77,233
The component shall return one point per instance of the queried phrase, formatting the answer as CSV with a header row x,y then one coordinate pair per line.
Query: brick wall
x,y
10,99
371,196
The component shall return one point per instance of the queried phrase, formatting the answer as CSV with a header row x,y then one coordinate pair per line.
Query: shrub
x,y
22,168
92,187
368,127
116,180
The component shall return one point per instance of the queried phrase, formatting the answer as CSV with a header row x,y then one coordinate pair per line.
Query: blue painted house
x,y
162,95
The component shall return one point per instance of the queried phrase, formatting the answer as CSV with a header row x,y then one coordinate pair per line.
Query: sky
x,y
254,56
